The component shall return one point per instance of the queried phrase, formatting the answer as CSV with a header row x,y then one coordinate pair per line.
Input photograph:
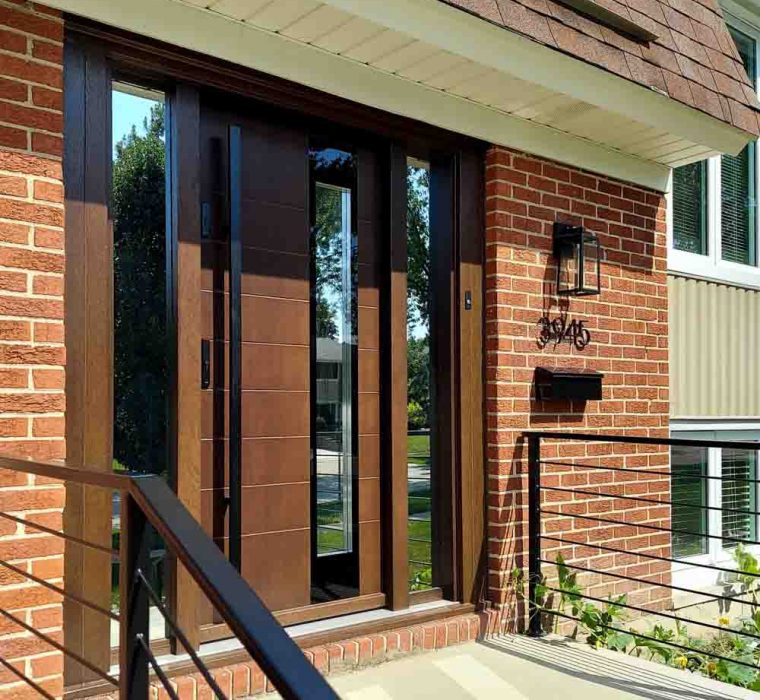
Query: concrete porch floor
x,y
514,667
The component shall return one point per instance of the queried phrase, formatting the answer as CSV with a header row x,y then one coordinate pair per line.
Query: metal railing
x,y
601,511
147,502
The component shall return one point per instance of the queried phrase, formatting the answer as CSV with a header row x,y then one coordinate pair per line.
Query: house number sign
x,y
561,330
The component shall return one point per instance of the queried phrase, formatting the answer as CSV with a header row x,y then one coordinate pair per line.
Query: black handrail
x,y
147,501
538,585
264,638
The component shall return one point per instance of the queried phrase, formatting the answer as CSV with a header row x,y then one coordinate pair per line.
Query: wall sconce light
x,y
578,261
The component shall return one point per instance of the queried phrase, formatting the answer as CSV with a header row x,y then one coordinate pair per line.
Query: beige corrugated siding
x,y
714,349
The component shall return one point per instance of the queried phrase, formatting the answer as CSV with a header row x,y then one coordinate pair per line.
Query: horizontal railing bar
x,y
56,645
417,539
643,499
668,616
657,557
635,470
34,686
263,637
640,440
642,579
202,668
673,531
659,641
158,670
57,533
63,472
60,591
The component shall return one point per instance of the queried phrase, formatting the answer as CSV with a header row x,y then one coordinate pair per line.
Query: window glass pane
x,y
418,373
138,210
737,192
690,208
738,182
688,492
335,309
738,495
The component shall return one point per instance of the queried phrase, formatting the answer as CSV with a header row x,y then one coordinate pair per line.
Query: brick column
x,y
32,353
629,344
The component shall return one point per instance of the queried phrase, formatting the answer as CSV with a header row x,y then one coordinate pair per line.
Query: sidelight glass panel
x,y
418,373
689,493
138,207
335,307
140,371
738,495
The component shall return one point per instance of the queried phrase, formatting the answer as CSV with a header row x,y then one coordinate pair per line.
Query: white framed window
x,y
715,495
713,217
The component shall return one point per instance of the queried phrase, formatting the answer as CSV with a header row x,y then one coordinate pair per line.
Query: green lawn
x,y
418,449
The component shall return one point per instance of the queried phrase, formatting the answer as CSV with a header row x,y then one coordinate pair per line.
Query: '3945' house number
x,y
560,330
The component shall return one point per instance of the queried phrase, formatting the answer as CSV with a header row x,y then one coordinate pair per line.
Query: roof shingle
x,y
693,60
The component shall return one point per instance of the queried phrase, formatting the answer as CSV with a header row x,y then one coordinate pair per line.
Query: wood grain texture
x,y
395,474
185,285
471,527
89,344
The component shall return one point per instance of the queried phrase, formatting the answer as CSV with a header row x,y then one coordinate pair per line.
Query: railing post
x,y
134,601
534,535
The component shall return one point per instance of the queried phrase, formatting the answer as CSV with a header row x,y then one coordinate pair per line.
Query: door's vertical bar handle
x,y
205,363
235,273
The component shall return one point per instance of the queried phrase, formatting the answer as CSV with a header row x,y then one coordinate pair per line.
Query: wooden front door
x,y
290,358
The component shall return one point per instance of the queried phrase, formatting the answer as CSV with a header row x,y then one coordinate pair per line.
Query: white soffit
x,y
488,82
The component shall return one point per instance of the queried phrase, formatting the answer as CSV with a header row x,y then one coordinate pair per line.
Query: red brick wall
x,y
629,344
31,330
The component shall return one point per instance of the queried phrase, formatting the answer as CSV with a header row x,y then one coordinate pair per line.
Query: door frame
x,y
183,74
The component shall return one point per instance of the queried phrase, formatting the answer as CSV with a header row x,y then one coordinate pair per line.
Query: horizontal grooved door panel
x,y
264,319
369,499
264,414
264,508
274,367
369,371
276,164
369,553
369,414
264,461
277,566
369,328
369,455
274,227
265,272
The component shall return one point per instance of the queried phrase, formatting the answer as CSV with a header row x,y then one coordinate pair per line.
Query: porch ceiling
x,y
426,60
347,29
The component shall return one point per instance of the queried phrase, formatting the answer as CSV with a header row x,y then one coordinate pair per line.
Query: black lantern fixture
x,y
578,261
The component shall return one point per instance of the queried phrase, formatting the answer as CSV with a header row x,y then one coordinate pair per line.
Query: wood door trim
x,y
444,374
184,302
471,509
395,508
89,345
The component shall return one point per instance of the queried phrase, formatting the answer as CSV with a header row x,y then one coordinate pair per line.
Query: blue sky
x,y
128,110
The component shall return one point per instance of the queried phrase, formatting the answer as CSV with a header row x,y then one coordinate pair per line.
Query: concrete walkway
x,y
515,668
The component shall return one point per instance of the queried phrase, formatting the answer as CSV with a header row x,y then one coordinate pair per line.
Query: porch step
x,y
518,668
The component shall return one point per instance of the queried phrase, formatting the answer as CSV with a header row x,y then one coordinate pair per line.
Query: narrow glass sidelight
x,y
140,334
334,310
419,403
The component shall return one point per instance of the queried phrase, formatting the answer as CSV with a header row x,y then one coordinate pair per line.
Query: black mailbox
x,y
562,383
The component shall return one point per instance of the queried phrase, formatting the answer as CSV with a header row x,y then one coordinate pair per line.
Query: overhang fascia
x,y
490,45
213,34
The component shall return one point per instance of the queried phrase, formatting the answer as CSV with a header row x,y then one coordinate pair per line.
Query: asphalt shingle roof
x,y
693,60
